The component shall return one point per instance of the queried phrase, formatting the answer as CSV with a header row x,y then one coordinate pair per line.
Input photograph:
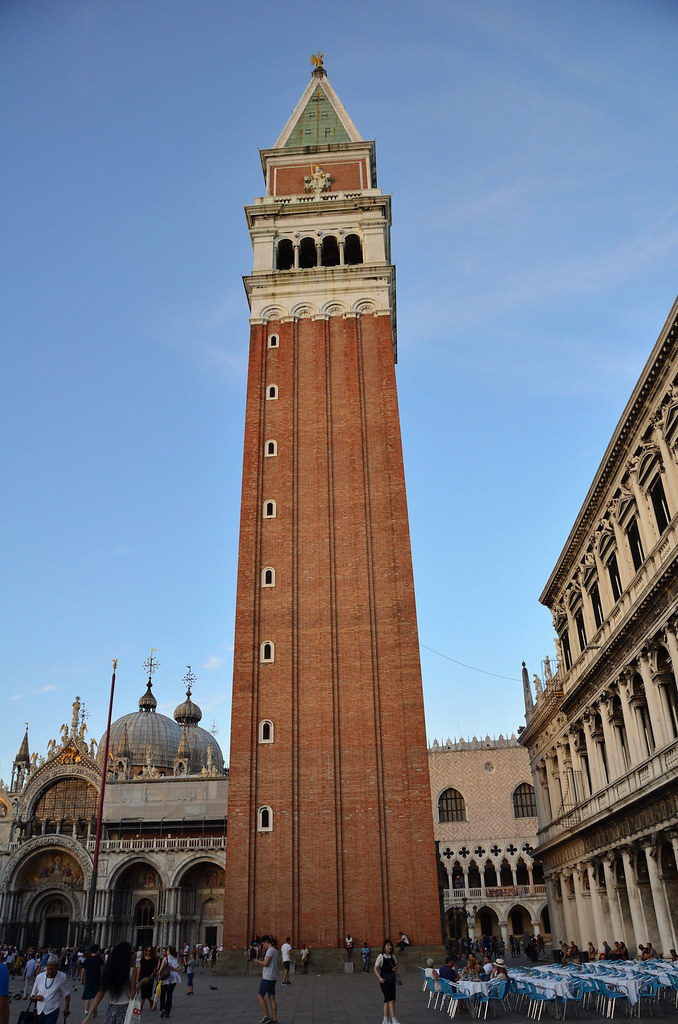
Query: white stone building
x,y
602,727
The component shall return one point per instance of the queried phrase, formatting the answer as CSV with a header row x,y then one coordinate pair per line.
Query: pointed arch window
x,y
271,392
524,803
451,806
265,819
268,577
270,449
267,652
266,731
270,510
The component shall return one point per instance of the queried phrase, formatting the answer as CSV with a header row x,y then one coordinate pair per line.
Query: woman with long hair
x,y
168,972
385,967
118,982
145,976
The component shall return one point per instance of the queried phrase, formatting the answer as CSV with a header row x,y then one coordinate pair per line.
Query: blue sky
x,y
531,152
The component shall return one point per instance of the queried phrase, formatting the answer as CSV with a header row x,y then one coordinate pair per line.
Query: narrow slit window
x,y
266,731
268,577
271,392
269,510
273,341
265,819
271,448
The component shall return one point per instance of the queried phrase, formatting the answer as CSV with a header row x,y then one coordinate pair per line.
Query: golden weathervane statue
x,y
317,59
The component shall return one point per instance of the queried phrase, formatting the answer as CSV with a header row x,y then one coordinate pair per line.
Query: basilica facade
x,y
602,721
160,874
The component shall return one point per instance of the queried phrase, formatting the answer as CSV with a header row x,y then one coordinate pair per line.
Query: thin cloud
x,y
213,662
33,693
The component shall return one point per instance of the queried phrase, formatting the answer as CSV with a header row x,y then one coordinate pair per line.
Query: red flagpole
x,y
100,813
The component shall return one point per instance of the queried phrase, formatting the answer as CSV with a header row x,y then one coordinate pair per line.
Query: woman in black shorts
x,y
385,967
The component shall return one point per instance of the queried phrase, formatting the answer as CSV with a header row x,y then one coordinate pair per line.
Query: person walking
x,y
30,971
168,972
4,994
190,971
118,982
269,972
90,976
146,976
286,952
385,967
48,988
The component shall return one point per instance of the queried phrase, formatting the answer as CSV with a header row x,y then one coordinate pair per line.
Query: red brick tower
x,y
329,810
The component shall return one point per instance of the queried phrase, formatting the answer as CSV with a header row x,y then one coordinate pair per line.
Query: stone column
x,y
555,793
504,934
613,755
661,909
635,902
342,248
555,913
630,718
567,905
578,779
296,255
600,928
652,697
645,525
583,923
616,918
593,754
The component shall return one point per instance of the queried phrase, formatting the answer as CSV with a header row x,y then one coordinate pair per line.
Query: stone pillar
x,y
296,255
613,907
593,753
570,924
342,247
661,908
555,794
600,928
645,524
630,718
583,923
613,755
635,902
504,934
652,697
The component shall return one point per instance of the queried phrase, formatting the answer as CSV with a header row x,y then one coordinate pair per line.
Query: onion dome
x,y
187,713
147,701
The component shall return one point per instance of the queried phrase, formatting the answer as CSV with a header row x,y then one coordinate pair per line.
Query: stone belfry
x,y
329,808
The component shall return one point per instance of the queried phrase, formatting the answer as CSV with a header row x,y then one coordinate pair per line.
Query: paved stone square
x,y
310,999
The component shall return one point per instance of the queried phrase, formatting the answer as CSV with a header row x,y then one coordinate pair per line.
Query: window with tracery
x,y
67,800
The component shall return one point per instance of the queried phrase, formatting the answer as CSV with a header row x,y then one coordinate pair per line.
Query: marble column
x,y
661,908
633,894
505,934
652,697
609,732
595,766
584,926
616,918
567,905
625,688
645,524
600,925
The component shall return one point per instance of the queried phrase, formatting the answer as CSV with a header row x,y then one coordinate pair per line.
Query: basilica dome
x,y
195,741
145,732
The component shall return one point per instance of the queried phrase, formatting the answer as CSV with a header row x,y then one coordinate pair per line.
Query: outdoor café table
x,y
628,985
471,989
550,986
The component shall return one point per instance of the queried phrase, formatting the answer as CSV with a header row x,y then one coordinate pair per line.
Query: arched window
x,y
268,577
269,510
273,341
272,391
266,731
353,250
308,256
267,651
144,914
451,806
284,257
330,251
271,448
524,805
265,819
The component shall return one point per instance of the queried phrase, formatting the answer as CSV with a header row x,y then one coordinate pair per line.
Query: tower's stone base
x,y
330,961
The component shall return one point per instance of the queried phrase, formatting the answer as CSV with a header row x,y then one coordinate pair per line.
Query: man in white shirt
x,y
267,983
48,988
286,952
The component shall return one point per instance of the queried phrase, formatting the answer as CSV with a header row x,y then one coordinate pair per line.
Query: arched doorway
x,y
201,904
520,922
53,881
144,921
487,923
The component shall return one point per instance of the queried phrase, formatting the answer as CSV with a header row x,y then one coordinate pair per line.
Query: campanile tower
x,y
329,811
